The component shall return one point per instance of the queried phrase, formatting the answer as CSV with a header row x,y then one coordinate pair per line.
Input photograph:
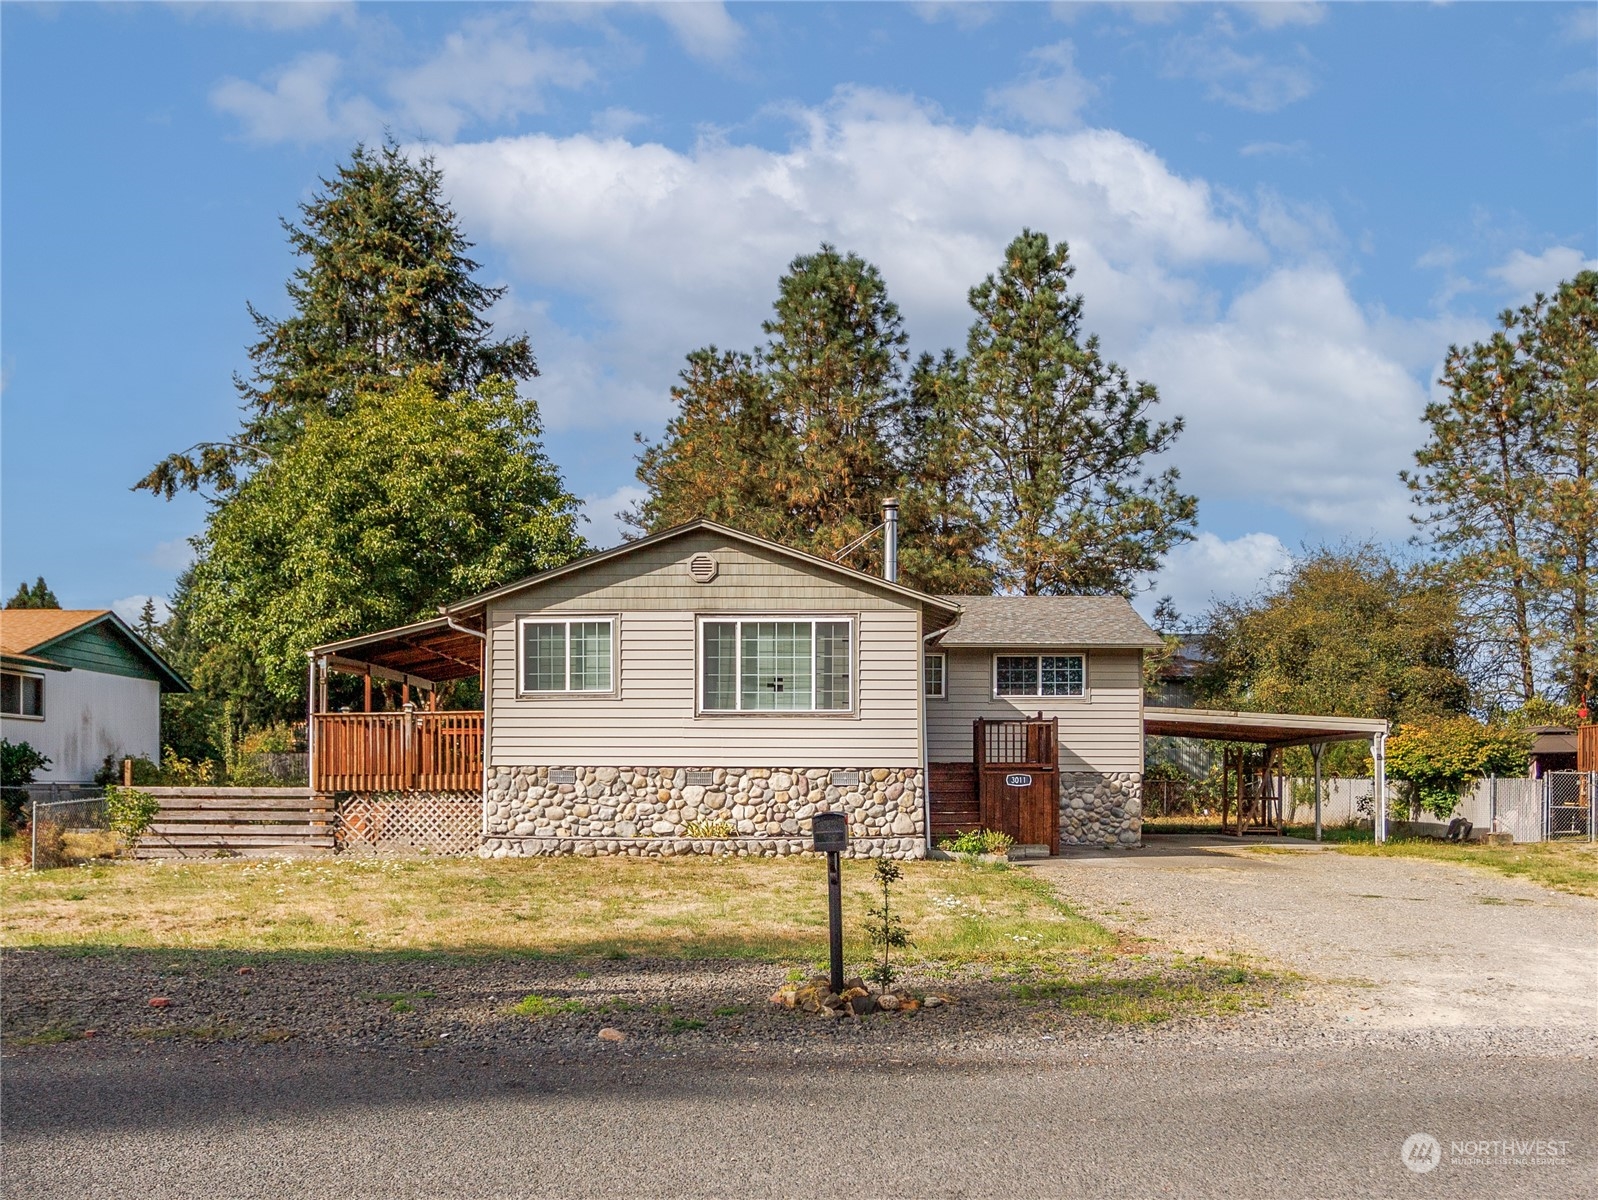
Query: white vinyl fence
x,y
1560,805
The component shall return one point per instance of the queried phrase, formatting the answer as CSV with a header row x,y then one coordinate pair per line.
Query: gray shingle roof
x,y
1064,621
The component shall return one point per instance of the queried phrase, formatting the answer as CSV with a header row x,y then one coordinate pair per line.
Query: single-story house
x,y
705,690
78,685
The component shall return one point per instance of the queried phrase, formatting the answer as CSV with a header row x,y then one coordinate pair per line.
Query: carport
x,y
1277,732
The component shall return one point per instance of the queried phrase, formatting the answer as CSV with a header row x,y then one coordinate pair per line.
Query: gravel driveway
x,y
1402,946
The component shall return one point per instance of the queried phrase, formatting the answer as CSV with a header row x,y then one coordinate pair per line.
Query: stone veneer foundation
x,y
1101,809
644,811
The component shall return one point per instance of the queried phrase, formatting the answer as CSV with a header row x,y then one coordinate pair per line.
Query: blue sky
x,y
1282,215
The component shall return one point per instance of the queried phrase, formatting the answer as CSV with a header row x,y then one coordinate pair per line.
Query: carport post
x,y
1315,750
1379,758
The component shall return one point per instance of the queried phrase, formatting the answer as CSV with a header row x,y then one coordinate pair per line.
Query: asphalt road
x,y
107,1122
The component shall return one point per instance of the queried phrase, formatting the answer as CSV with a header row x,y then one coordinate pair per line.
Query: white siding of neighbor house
x,y
1102,731
88,715
651,721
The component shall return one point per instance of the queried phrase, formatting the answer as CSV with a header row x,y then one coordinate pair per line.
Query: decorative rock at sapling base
x,y
1101,809
647,812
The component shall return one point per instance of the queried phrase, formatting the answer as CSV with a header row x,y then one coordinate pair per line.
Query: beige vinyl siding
x,y
1100,732
651,720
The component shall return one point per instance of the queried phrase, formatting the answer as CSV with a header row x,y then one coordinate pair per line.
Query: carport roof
x,y
1268,729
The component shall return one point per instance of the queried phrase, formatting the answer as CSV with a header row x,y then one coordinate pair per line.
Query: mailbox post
x,y
829,833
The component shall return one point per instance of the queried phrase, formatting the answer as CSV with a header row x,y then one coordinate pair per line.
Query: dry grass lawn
x,y
1564,866
768,909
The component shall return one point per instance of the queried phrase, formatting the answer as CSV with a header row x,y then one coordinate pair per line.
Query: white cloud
x,y
278,16
173,556
130,608
1051,94
1274,14
298,104
1198,573
1294,399
963,14
671,250
604,528
1526,273
485,71
704,28
1248,81
1293,149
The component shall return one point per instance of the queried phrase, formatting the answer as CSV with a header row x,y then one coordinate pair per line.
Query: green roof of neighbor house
x,y
93,639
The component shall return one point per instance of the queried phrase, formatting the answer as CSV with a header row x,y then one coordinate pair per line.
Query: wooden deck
x,y
397,752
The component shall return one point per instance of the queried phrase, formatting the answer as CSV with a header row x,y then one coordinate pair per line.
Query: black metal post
x,y
835,918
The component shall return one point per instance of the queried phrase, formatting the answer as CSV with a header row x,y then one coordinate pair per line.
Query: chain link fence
x,y
67,824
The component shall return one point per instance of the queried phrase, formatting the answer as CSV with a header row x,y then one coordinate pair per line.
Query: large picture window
x,y
1039,675
775,666
21,695
568,656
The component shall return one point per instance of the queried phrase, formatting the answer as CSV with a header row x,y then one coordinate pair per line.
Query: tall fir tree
x,y
384,464
1060,438
385,294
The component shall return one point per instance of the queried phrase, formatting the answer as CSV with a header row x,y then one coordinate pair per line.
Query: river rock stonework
x,y
1101,809
653,812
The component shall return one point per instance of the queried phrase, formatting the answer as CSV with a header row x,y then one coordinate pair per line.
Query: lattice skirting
x,y
408,823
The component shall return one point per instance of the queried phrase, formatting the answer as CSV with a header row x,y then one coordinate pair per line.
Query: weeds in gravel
x,y
535,1007
47,1035
1195,989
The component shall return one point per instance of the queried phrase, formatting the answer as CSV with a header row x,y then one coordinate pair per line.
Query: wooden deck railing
x,y
398,752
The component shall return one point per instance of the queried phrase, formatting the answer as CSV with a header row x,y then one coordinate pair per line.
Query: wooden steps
x,y
238,822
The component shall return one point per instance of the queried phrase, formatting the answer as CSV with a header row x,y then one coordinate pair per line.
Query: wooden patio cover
x,y
421,655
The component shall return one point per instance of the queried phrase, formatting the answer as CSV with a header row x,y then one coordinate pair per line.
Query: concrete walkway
x,y
1415,944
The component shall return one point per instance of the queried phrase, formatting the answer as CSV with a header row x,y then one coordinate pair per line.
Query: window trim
x,y
852,620
567,620
1038,656
943,675
43,706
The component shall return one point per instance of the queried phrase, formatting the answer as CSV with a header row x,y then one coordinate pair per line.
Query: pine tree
x,y
38,596
943,548
384,295
148,627
1059,436
834,360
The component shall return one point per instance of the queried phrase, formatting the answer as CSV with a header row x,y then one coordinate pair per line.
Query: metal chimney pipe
x,y
890,540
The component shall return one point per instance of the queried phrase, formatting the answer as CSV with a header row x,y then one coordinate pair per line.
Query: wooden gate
x,y
1018,778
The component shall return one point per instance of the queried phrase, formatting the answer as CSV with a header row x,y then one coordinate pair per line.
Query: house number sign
x,y
1018,781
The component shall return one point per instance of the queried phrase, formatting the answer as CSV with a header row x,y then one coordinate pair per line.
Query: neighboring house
x,y
702,689
78,685
1553,748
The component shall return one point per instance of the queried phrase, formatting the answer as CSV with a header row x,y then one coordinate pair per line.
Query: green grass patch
x,y
1194,989
535,1007
47,1035
683,1025
1563,866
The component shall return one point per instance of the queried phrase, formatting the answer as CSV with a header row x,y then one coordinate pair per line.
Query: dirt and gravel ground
x,y
1398,947
1434,999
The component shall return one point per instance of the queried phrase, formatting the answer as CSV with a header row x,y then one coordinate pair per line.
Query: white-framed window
x,y
1039,675
567,654
935,676
776,664
22,695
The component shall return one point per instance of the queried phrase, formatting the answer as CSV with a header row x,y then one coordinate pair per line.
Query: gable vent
x,y
702,567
